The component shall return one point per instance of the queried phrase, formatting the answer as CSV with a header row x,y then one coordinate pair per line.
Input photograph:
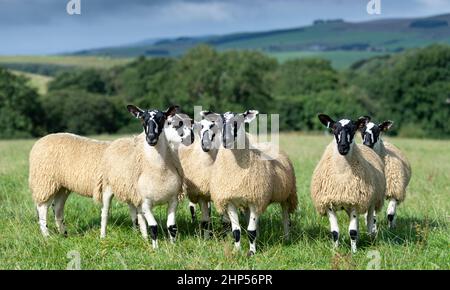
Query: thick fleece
x,y
134,170
244,176
197,168
397,170
64,162
354,181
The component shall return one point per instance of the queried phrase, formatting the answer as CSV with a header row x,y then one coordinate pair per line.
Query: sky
x,y
45,27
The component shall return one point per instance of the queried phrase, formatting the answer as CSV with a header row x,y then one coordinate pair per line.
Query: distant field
x,y
37,81
339,59
421,240
79,61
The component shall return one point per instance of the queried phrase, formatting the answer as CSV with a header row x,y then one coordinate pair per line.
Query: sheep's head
x,y
231,123
371,133
153,121
344,131
209,129
179,129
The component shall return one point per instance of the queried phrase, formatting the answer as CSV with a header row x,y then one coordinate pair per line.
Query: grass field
x,y
339,59
420,241
77,61
40,82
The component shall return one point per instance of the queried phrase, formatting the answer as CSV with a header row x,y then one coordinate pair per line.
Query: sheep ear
x,y
135,111
171,111
386,125
250,115
362,121
326,120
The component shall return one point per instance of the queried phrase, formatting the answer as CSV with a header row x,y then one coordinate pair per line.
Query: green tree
x,y
20,110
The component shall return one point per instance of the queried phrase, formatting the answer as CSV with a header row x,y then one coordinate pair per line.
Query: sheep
x,y
396,166
59,164
197,161
349,176
145,171
250,178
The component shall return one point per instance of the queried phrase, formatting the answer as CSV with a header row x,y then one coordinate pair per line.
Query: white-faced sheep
x,y
396,166
349,177
250,178
59,164
145,170
197,161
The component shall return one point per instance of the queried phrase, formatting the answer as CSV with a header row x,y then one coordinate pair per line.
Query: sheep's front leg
x,y
42,213
206,221
148,214
235,227
106,201
353,229
392,207
171,223
59,202
334,226
192,210
252,230
133,215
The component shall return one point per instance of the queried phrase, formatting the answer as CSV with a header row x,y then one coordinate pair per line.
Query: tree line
x,y
411,88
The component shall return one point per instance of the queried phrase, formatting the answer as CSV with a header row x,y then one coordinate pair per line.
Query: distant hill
x,y
379,36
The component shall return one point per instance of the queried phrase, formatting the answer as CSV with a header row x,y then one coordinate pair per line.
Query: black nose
x,y
152,142
343,150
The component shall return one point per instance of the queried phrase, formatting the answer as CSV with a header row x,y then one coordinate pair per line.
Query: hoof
x,y
65,234
250,253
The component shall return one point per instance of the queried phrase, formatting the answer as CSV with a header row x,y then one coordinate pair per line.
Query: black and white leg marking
x,y
235,227
252,230
334,226
171,222
391,210
192,210
151,221
353,229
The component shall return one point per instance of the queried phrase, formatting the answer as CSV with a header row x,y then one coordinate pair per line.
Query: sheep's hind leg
x,y
133,215
106,201
353,229
286,220
392,207
252,230
236,228
171,222
370,221
334,226
192,210
59,202
147,210
42,212
206,220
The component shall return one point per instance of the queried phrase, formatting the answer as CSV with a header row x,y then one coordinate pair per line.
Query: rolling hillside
x,y
381,36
